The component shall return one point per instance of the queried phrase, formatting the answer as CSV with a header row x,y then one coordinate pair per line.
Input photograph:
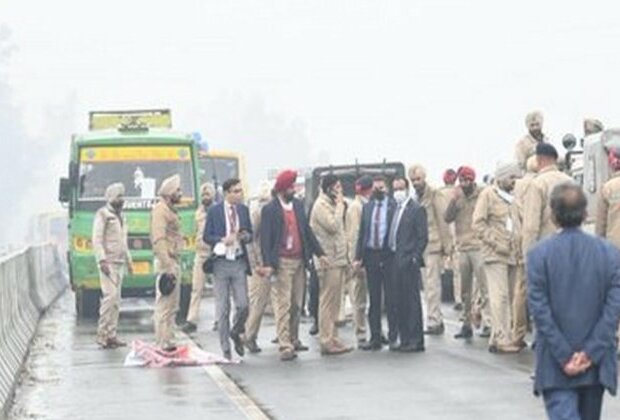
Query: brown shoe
x,y
335,350
288,355
116,342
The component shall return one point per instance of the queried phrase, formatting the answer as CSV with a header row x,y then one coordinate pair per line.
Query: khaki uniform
x,y
519,302
525,148
259,287
167,243
439,246
537,221
496,223
474,295
355,285
608,211
199,277
110,245
327,222
451,261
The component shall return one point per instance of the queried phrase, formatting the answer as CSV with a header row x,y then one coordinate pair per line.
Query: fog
x,y
299,83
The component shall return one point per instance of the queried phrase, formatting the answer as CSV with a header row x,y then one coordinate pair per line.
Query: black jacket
x,y
365,225
272,233
412,235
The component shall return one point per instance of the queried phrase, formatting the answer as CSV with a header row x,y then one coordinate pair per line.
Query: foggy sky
x,y
296,83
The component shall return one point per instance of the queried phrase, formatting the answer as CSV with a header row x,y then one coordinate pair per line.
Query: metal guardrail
x,y
30,281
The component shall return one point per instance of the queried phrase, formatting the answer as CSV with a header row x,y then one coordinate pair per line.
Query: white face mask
x,y
400,196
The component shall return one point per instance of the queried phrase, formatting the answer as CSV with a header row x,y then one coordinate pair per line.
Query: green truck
x,y
139,149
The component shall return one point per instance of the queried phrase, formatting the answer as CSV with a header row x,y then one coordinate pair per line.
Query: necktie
x,y
377,243
233,219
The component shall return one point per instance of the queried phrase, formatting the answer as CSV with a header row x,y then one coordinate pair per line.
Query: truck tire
x,y
87,303
186,295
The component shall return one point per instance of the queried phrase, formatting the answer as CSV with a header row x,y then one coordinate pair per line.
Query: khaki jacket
x,y
202,248
327,223
254,253
110,237
525,148
353,222
608,210
522,186
166,236
496,222
537,220
460,212
439,236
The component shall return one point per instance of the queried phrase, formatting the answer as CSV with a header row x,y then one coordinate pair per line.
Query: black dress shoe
x,y
394,346
253,346
371,345
436,330
458,307
485,333
384,340
466,332
299,346
227,355
314,329
189,327
236,338
410,348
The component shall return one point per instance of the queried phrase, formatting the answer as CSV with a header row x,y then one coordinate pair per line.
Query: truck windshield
x,y
140,169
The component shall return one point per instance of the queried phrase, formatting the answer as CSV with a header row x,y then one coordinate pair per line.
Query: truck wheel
x,y
186,295
87,303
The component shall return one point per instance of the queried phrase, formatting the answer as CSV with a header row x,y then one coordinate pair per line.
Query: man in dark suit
x,y
287,245
374,255
407,239
228,229
574,297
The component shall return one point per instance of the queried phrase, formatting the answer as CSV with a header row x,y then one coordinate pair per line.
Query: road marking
x,y
243,402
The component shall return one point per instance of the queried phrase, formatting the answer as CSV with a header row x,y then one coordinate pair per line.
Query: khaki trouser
x,y
500,281
259,290
474,296
110,301
166,308
199,277
287,294
355,287
431,276
519,306
452,263
331,282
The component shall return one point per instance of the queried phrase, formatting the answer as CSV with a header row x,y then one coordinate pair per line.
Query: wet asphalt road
x,y
68,377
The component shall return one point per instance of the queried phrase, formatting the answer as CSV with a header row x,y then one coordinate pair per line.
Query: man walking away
x,y
574,297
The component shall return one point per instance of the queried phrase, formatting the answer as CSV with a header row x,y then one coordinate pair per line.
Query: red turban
x,y
467,173
449,177
286,179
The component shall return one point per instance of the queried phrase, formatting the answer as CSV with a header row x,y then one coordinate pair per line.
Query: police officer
x,y
113,258
207,192
527,145
167,243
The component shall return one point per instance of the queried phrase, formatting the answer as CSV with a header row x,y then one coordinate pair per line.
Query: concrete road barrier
x,y
30,281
